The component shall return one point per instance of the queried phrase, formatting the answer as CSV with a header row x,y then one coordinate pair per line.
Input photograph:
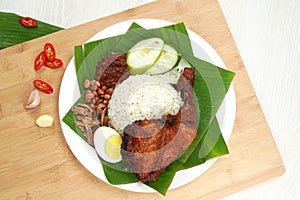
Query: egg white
x,y
101,135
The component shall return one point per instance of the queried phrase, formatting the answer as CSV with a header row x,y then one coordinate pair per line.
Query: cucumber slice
x,y
144,54
165,62
173,75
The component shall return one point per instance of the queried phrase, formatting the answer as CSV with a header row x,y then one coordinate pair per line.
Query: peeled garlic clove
x,y
44,121
33,100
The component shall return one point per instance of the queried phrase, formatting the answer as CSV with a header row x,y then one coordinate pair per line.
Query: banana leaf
x,y
12,32
211,86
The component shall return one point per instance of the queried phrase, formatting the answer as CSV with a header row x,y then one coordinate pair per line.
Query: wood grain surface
x,y
36,162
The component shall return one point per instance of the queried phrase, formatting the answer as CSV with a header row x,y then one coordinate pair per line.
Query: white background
x,y
267,35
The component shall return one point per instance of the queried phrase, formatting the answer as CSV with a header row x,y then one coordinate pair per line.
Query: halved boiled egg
x,y
107,143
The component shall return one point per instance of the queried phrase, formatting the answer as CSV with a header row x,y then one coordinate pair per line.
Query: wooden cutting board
x,y
37,163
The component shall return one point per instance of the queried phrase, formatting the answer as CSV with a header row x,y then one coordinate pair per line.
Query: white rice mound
x,y
141,97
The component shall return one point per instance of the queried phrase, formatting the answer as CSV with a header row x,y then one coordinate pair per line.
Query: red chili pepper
x,y
49,51
40,60
43,86
56,63
27,21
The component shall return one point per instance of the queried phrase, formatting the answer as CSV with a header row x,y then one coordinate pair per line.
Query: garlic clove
x,y
33,100
44,121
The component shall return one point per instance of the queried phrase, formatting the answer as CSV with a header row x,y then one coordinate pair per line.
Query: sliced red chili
x,y
40,60
43,86
28,22
56,63
49,51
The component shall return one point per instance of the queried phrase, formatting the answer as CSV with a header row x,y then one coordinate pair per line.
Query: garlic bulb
x,y
33,100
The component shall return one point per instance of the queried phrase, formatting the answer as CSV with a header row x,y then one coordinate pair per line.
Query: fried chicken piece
x,y
149,146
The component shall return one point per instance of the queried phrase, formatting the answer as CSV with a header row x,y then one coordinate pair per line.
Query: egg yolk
x,y
112,147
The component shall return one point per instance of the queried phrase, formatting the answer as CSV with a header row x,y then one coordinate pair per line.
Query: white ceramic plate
x,y
87,156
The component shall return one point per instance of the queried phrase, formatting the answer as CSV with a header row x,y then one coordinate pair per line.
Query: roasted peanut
x,y
89,96
94,87
88,100
100,91
109,91
105,101
86,83
106,96
98,84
